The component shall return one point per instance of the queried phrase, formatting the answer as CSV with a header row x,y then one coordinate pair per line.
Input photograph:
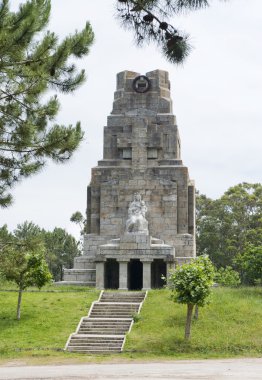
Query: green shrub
x,y
249,264
227,277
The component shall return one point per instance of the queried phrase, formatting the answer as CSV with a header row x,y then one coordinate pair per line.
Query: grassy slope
x,y
47,320
230,326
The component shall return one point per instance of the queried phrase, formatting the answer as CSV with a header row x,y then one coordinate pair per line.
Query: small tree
x,y
24,263
78,219
191,285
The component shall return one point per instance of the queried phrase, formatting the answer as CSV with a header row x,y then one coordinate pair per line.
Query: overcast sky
x,y
217,96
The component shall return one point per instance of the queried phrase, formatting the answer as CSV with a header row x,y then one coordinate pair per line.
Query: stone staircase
x,y
109,320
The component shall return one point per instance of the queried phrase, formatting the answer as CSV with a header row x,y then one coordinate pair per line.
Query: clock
x,y
141,84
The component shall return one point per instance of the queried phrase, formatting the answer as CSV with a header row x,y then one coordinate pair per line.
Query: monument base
x,y
134,261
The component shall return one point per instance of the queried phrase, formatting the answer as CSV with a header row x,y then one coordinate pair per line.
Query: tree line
x,y
32,256
229,230
58,246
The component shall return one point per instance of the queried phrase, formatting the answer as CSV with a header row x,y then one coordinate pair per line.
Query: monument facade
x,y
140,201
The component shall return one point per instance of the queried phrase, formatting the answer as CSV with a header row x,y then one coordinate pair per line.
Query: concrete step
x,y
112,308
90,341
136,297
104,322
113,315
122,299
107,328
120,331
95,344
104,311
116,304
114,311
94,350
101,327
104,325
103,331
104,338
123,293
115,307
97,325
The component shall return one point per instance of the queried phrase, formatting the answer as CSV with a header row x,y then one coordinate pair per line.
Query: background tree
x,y
149,20
227,277
5,236
78,219
61,249
191,285
32,62
249,264
23,262
208,229
28,230
226,227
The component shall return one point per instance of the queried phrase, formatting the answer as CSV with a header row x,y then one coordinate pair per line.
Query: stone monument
x,y
140,201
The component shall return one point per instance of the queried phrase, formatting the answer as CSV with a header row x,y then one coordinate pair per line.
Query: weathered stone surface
x,y
142,154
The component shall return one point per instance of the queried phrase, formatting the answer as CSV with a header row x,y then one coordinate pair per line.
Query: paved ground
x,y
233,369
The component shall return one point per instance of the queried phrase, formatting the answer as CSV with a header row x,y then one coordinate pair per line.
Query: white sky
x,y
217,97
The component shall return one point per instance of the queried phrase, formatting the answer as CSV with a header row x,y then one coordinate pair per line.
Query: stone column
x,y
123,275
146,275
100,275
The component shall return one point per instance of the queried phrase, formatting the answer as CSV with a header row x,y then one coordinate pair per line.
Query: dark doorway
x,y
135,274
111,274
158,269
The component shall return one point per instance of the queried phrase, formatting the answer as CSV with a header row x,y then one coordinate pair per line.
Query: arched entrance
x,y
158,269
111,274
135,274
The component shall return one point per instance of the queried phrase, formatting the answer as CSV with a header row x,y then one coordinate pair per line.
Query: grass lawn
x,y
48,317
231,326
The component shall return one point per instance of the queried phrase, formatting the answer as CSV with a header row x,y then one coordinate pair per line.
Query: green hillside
x,y
230,326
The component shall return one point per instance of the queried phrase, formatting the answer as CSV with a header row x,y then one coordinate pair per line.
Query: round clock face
x,y
141,84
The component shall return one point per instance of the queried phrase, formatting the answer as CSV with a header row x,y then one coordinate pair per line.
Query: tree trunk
x,y
18,313
61,272
190,308
196,312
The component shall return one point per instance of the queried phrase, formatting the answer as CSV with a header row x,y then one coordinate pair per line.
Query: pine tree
x,y
149,21
32,62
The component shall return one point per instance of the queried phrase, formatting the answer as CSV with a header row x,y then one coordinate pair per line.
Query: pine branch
x,y
30,64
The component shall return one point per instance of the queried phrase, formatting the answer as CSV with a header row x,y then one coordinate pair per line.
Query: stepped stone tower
x,y
140,201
